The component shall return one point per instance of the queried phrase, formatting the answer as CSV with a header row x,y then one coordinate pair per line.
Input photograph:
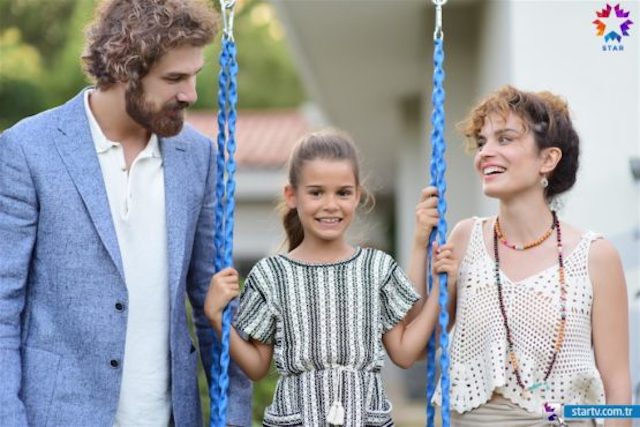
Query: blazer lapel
x,y
75,145
176,185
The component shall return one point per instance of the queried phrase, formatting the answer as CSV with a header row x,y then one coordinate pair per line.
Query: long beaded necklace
x,y
559,339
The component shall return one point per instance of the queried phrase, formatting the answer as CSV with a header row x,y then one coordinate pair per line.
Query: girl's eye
x,y
480,143
344,193
314,192
504,140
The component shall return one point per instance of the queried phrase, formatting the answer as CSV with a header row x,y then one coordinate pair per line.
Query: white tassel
x,y
336,414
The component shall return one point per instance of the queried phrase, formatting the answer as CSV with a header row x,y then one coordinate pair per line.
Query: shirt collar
x,y
103,144
152,149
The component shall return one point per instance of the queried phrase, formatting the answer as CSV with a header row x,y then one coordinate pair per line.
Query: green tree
x,y
267,77
43,24
67,76
55,31
32,32
20,72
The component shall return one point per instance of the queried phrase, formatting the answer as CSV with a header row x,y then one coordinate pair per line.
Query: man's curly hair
x,y
128,36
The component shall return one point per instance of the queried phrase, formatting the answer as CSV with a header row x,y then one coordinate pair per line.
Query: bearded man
x,y
106,224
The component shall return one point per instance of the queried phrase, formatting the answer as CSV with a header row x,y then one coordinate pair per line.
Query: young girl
x,y
327,308
541,307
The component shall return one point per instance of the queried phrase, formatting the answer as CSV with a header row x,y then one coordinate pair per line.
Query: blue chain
x,y
214,392
438,168
225,207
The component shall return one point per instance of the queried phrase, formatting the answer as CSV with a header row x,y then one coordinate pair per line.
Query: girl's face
x,y
508,159
326,199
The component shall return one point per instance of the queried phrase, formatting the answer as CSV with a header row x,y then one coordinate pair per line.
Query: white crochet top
x,y
478,351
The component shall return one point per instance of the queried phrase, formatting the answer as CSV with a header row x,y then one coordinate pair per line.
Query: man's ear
x,y
290,196
550,158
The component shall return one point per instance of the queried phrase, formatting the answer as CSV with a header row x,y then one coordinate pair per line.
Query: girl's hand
x,y
443,261
224,286
426,215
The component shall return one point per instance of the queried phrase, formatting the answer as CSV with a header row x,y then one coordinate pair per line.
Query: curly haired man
x,y
106,224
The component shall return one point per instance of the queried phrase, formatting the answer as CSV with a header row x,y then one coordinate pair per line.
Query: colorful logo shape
x,y
551,412
613,26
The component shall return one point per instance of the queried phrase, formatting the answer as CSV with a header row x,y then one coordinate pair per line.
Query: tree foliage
x,y
41,42
267,77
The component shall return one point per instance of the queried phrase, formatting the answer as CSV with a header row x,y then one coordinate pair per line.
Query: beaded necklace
x,y
526,246
513,359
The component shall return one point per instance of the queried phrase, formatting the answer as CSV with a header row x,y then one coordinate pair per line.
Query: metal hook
x,y
438,33
227,11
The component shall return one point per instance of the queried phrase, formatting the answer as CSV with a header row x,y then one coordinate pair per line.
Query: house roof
x,y
264,138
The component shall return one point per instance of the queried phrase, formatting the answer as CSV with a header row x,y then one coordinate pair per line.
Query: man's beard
x,y
165,122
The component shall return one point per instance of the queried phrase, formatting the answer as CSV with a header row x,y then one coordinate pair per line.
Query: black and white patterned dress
x,y
326,323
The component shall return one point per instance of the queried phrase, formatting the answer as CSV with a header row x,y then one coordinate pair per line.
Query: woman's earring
x,y
544,182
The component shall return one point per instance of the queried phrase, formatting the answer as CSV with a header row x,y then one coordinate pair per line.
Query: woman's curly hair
x,y
128,36
546,115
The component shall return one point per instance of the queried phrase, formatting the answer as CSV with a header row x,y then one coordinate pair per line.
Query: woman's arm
x,y
610,325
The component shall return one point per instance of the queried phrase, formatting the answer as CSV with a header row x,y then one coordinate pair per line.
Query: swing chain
x,y
227,12
438,33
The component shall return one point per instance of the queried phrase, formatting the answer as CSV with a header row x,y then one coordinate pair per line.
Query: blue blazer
x,y
62,338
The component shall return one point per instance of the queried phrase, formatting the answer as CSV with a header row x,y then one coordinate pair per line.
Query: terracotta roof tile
x,y
264,138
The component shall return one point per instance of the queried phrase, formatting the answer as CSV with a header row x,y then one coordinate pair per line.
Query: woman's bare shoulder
x,y
461,233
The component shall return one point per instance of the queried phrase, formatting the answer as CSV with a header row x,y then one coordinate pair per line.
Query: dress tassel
x,y
336,414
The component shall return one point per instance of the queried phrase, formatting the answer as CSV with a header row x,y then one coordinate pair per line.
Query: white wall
x,y
554,47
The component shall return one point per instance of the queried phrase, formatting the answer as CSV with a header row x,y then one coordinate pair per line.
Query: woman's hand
x,y
224,286
426,215
444,261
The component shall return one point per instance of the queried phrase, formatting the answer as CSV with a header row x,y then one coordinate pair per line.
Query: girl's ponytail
x,y
292,227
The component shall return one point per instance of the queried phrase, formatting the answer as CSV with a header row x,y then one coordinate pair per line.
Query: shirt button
x,y
119,306
114,363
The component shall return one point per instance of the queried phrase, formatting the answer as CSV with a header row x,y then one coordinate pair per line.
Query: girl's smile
x,y
326,199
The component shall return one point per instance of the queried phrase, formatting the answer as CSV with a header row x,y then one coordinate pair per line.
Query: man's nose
x,y
188,92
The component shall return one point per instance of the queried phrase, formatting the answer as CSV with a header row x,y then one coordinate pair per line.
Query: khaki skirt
x,y
501,412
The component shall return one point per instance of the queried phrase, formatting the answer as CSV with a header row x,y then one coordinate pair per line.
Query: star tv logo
x,y
552,413
612,25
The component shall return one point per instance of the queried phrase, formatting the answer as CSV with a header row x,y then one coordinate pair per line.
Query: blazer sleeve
x,y
200,272
18,223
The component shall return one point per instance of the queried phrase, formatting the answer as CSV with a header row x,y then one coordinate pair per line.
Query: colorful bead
x,y
536,242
